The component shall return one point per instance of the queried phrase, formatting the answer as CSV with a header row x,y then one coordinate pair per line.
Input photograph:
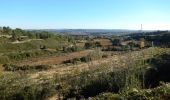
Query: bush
x,y
160,68
27,54
85,59
88,45
42,67
71,49
90,57
109,96
105,56
95,55
73,61
159,93
10,67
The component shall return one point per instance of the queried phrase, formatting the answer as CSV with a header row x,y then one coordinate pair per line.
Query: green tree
x,y
88,45
17,33
117,41
1,30
44,35
31,35
98,44
7,30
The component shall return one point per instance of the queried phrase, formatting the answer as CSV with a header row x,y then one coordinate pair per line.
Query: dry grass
x,y
103,42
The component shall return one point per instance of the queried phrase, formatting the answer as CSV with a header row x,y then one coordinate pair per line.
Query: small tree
x,y
116,42
17,33
88,45
6,30
98,44
1,30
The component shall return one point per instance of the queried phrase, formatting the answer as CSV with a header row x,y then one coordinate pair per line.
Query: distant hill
x,y
90,31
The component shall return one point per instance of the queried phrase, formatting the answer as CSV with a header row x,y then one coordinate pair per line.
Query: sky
x,y
85,14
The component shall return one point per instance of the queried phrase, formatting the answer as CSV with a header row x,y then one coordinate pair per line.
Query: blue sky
x,y
87,14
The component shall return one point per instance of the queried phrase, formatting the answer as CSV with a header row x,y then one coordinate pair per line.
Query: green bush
x,y
88,45
8,47
28,54
158,93
108,96
71,49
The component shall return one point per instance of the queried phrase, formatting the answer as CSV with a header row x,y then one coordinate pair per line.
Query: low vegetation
x,y
158,93
10,67
37,65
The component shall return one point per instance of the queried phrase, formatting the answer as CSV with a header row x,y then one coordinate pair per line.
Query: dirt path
x,y
29,40
51,60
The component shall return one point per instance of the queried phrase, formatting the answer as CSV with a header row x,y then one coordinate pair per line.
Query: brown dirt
x,y
54,59
29,40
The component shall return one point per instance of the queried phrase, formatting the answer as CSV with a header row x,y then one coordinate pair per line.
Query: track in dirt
x,y
54,59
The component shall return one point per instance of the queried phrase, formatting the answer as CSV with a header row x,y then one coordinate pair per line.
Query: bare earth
x,y
51,60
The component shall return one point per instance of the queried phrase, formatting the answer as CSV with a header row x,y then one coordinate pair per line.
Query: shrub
x,y
85,59
71,49
27,54
95,55
159,69
109,96
88,45
159,93
11,67
105,56
73,61
8,67
42,67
